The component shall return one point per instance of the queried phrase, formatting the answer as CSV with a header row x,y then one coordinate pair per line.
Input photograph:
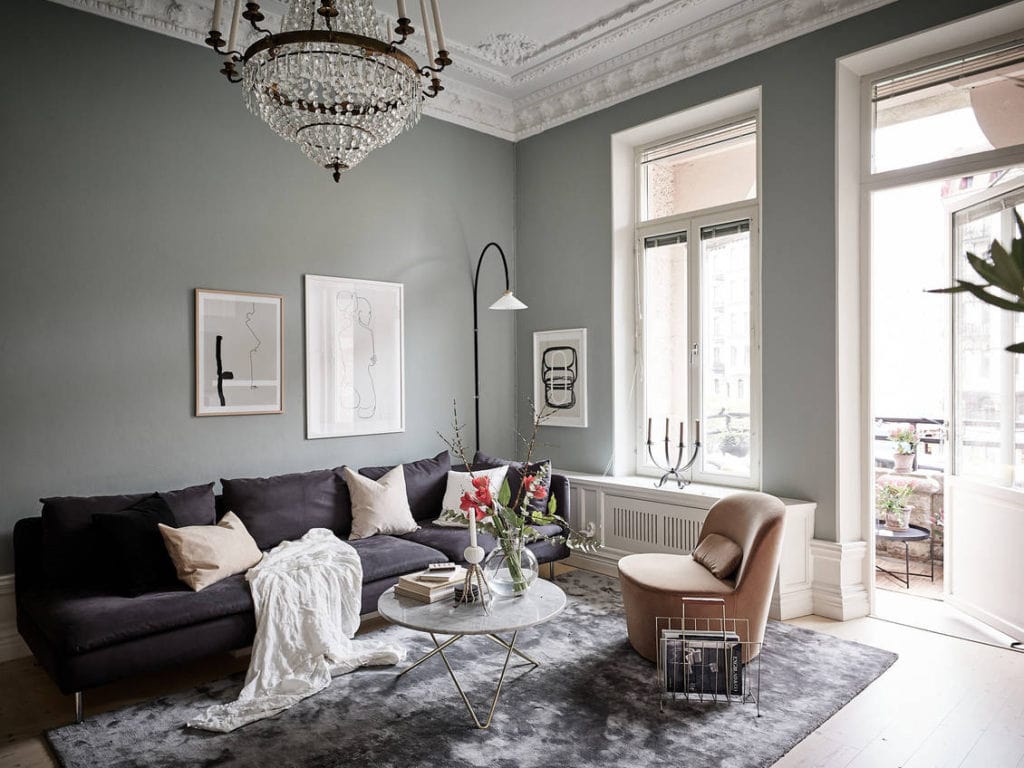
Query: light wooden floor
x,y
945,703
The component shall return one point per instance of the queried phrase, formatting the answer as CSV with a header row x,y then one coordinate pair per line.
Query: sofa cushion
x,y
453,541
517,470
386,556
71,547
134,549
192,506
449,540
84,620
424,483
284,507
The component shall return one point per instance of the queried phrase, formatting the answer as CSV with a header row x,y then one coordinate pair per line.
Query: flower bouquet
x,y
511,567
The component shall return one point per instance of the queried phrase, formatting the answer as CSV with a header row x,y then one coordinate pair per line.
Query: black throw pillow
x,y
136,558
517,470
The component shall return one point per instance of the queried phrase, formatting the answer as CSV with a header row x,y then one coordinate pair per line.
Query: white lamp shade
x,y
508,301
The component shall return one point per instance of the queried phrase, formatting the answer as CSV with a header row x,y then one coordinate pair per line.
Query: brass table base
x,y
439,648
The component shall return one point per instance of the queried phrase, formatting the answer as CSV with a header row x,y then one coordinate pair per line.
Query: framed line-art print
x,y
355,357
238,353
560,377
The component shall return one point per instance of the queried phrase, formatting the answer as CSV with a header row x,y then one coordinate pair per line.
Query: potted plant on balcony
x,y
904,439
891,499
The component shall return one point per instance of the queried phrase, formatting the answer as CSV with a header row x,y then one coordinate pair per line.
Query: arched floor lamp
x,y
508,301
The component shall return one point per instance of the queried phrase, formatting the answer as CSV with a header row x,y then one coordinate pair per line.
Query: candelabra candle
x,y
682,425
648,429
426,33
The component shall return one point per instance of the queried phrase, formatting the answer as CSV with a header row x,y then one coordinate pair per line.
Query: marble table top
x,y
542,602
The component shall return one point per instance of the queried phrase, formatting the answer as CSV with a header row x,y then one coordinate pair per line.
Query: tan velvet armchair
x,y
652,584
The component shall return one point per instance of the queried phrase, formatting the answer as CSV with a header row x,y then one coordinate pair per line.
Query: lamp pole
x,y
476,329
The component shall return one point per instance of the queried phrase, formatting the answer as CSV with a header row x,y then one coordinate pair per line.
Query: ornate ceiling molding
x,y
513,87
746,28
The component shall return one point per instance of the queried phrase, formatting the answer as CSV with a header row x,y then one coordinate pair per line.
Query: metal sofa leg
x,y
551,570
79,715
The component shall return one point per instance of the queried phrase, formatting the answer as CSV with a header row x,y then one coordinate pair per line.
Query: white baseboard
x,y
792,605
596,564
838,588
11,644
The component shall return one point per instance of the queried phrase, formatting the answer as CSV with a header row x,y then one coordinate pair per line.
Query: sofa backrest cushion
x,y
425,481
71,547
72,550
192,506
285,507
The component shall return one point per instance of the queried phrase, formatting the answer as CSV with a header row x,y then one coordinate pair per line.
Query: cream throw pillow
x,y
379,506
462,482
205,554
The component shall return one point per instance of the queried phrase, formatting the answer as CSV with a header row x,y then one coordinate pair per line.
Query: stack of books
x,y
430,586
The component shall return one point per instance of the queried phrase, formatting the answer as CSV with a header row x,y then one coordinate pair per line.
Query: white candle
x,y
437,26
472,527
426,33
233,35
391,29
697,432
402,13
215,24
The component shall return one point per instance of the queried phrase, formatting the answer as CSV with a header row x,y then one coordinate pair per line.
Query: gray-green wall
x,y
564,243
132,174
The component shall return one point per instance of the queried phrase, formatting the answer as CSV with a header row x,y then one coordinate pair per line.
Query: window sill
x,y
701,495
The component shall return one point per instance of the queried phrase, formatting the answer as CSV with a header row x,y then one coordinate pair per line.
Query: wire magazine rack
x,y
703,659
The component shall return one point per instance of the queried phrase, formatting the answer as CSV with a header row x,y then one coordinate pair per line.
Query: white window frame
x,y
692,222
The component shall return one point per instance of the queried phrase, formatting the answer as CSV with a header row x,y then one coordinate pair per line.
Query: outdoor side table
x,y
914,533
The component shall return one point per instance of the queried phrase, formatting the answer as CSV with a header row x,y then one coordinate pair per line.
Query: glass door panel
x,y
725,407
665,352
988,404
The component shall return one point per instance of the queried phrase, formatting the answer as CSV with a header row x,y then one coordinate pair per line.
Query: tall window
x,y
696,239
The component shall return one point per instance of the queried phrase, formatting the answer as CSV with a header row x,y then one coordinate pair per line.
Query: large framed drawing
x,y
560,377
238,353
355,357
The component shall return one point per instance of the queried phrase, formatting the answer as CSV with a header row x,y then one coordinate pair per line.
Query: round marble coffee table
x,y
542,602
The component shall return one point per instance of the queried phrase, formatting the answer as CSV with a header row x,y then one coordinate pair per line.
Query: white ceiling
x,y
522,66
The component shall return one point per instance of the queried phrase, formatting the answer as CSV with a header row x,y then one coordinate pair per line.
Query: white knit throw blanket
x,y
307,596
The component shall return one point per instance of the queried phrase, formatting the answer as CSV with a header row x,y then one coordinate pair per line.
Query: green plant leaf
x,y
505,494
995,301
953,289
1018,348
552,504
1008,276
987,271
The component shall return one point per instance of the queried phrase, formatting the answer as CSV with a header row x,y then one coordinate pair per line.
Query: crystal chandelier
x,y
334,79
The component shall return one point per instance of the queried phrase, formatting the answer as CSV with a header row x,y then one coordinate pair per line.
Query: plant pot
x,y
903,462
898,519
511,568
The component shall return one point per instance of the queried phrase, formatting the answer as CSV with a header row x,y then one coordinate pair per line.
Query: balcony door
x,y
987,484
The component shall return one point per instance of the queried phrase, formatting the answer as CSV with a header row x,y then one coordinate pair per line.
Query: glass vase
x,y
511,567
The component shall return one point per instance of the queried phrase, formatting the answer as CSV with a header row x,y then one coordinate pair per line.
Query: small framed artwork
x,y
238,353
355,357
560,377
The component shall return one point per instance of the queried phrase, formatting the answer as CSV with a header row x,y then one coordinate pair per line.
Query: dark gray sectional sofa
x,y
85,634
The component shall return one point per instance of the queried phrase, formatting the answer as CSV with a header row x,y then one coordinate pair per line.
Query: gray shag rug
x,y
592,703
